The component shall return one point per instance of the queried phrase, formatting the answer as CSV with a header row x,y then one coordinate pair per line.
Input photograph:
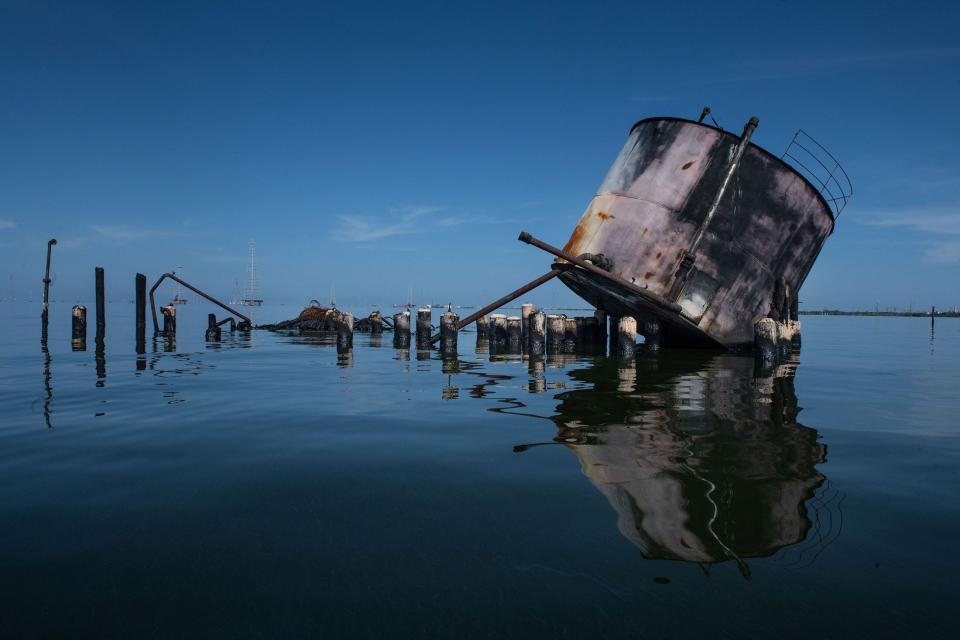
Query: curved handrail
x,y
834,183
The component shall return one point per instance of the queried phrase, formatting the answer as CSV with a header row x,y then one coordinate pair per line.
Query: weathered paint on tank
x,y
770,225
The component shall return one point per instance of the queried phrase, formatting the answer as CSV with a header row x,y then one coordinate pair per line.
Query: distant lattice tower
x,y
250,298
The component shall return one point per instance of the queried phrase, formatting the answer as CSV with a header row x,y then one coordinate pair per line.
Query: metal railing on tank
x,y
820,167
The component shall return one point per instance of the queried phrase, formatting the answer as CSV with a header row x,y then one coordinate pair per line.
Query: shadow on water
x,y
700,456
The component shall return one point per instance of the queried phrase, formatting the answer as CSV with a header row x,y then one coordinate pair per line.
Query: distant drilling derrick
x,y
250,298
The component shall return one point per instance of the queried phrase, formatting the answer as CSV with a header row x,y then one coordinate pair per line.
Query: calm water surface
x,y
266,486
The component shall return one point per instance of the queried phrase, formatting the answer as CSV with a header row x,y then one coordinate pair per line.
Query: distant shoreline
x,y
903,314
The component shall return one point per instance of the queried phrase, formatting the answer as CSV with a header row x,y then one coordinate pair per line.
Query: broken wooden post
x,y
536,328
601,337
525,310
570,337
651,333
483,328
79,325
449,327
401,329
344,321
213,330
101,310
424,326
514,333
498,329
140,288
765,338
556,325
626,336
169,321
45,312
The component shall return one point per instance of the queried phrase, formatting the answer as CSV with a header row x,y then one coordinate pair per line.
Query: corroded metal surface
x,y
768,228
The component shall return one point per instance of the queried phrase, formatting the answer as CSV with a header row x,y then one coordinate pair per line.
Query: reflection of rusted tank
x,y
702,218
702,461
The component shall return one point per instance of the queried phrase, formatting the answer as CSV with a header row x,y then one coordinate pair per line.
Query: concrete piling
x,y
514,333
169,321
766,338
449,328
570,334
424,326
213,331
483,328
344,322
556,326
401,329
537,332
498,330
376,323
101,309
525,310
626,336
140,288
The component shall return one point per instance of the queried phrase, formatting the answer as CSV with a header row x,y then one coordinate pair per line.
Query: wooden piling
x,y
79,323
626,336
169,321
570,334
424,326
536,328
514,333
140,288
401,329
525,310
766,338
376,323
613,338
601,338
449,328
483,327
344,322
556,325
101,309
498,329
213,331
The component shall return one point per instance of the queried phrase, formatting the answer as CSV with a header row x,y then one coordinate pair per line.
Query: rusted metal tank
x,y
701,218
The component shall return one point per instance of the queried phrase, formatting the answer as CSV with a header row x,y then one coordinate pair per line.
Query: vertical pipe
x,y
536,327
140,287
101,310
449,327
424,326
45,312
626,336
556,325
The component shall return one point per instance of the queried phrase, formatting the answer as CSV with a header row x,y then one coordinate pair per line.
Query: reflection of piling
x,y
535,367
626,336
514,333
79,327
140,287
101,310
556,325
536,328
169,321
570,334
449,326
424,327
525,310
213,331
601,319
401,329
650,329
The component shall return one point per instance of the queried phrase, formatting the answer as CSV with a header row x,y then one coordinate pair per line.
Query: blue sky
x,y
383,148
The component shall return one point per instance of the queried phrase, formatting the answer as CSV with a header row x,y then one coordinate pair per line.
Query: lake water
x,y
264,487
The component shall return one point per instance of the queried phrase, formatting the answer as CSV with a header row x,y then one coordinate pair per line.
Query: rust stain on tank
x,y
605,216
648,275
687,165
659,253
576,239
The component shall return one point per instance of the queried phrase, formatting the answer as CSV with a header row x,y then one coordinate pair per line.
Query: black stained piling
x,y
570,334
376,323
766,339
483,327
401,329
601,338
556,326
587,331
536,332
101,309
140,287
213,329
498,330
169,321
514,333
626,336
449,327
78,330
45,312
424,326
614,339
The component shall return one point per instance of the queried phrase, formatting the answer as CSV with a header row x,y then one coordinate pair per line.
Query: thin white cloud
x,y
123,233
398,222
7,224
936,221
